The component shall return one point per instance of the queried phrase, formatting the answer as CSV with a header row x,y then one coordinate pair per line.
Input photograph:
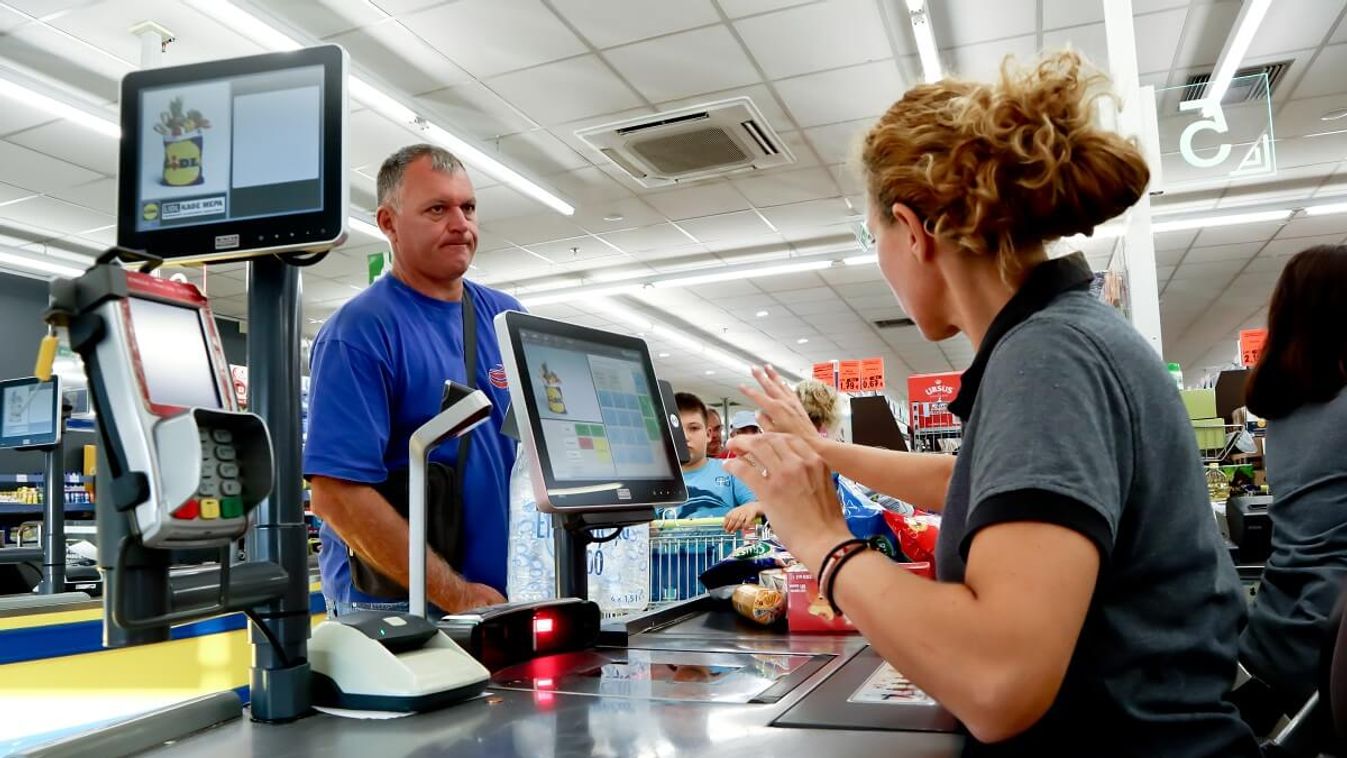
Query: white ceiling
x,y
520,77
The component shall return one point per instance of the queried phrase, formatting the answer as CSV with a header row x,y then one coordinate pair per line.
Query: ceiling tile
x,y
1230,235
1291,246
575,250
816,37
726,226
787,282
821,213
1206,29
982,62
1161,32
1293,25
503,37
1219,272
787,187
475,110
524,230
741,8
324,18
607,23
71,143
706,198
99,195
648,238
585,186
1060,13
627,212
1238,252
538,153
839,143
502,202
395,54
33,170
1091,40
967,22
56,215
682,65
372,139
1313,226
848,94
566,90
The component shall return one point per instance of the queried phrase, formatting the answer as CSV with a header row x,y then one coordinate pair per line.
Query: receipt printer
x,y
1250,526
390,662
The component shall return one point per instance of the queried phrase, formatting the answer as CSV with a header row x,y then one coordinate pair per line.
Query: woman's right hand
x,y
781,410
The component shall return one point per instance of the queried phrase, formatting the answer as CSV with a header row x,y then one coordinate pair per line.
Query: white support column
x,y
153,39
1135,120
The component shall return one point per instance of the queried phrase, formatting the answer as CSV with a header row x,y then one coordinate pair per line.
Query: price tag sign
x,y
1251,346
849,376
824,373
872,374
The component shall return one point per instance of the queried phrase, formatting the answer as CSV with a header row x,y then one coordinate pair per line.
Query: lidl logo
x,y
150,211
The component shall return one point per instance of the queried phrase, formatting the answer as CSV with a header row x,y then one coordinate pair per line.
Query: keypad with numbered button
x,y
219,494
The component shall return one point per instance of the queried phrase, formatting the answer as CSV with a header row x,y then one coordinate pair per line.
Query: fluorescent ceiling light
x,y
38,265
1251,14
919,15
1325,210
582,294
748,273
373,97
1214,221
85,118
861,260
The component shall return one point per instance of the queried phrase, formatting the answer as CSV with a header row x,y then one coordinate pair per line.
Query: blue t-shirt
x,y
712,491
377,373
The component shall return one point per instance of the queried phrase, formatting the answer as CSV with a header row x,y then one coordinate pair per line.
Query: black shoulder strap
x,y
470,377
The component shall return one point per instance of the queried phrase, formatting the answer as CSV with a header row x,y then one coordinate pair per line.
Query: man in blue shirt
x,y
378,370
712,491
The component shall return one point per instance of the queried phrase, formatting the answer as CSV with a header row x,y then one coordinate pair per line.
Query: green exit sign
x,y
378,263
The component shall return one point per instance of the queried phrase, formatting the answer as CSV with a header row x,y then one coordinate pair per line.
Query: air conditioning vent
x,y
894,323
691,143
1245,86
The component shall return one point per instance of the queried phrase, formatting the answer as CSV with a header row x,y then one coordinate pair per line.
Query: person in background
x,y
715,434
1298,386
1083,606
744,422
711,490
378,370
821,403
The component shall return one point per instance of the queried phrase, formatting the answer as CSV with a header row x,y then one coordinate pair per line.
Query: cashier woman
x,y
1081,608
379,367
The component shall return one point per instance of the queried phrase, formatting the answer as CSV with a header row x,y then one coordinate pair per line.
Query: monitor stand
x,y
573,533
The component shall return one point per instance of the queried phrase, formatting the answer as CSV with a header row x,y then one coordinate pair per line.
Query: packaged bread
x,y
758,603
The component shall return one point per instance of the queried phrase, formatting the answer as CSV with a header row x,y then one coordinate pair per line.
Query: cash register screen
x,y
171,345
599,417
28,413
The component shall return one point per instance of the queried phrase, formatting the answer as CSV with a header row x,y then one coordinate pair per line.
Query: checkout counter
x,y
186,468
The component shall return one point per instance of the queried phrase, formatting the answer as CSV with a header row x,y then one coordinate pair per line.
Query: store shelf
x,y
23,509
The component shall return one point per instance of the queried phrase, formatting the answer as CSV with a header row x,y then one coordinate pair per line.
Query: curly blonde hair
x,y
996,169
820,403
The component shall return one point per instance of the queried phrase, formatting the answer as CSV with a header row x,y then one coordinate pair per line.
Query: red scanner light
x,y
542,625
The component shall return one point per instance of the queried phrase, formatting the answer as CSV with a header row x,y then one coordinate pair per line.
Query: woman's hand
x,y
781,407
795,491
741,518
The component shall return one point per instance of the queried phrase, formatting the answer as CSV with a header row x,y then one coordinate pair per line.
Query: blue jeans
x,y
337,608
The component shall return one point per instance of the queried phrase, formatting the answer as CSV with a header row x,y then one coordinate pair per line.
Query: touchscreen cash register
x,y
30,412
589,406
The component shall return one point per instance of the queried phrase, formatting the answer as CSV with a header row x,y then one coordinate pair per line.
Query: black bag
x,y
444,491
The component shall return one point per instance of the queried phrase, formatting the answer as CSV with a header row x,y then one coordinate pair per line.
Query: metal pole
x,y
53,531
142,575
279,692
572,557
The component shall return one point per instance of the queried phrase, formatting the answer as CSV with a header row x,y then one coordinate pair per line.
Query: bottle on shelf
x,y
1176,373
1218,486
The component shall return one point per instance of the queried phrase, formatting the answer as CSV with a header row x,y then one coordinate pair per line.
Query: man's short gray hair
x,y
389,184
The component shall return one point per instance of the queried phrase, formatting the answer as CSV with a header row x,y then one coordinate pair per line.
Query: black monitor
x,y
590,411
30,413
235,157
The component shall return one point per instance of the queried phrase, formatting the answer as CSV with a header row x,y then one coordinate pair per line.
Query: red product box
x,y
808,611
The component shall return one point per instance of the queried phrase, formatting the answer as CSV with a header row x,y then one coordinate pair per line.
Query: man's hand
x,y
743,517
480,596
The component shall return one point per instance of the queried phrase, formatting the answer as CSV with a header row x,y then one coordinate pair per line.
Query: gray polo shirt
x,y
1070,418
1289,620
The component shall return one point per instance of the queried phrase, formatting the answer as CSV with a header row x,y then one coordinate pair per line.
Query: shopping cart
x,y
680,550
1216,443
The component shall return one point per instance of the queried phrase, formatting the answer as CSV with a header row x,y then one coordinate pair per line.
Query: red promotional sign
x,y
1251,346
872,374
824,373
849,376
929,396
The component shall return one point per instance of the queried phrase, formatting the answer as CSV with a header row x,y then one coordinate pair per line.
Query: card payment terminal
x,y
182,456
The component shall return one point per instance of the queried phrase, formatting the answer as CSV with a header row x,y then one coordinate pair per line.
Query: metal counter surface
x,y
526,724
